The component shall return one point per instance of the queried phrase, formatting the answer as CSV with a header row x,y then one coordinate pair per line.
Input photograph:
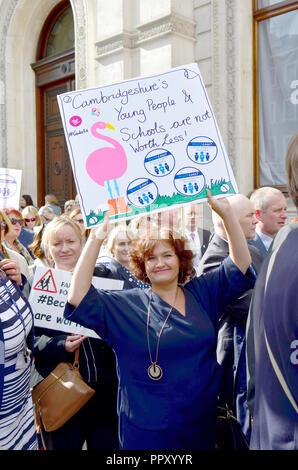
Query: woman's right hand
x,y
73,342
12,270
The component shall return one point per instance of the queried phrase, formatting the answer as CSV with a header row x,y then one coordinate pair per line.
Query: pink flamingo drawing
x,y
106,164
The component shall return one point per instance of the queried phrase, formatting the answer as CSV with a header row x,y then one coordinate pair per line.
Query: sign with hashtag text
x,y
147,144
48,298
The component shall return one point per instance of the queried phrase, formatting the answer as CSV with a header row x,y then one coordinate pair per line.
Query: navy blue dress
x,y
179,410
121,272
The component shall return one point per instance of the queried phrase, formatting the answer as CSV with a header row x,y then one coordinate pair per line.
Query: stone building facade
x,y
121,39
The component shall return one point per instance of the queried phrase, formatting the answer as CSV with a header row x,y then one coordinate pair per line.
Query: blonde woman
x,y
31,218
96,422
37,251
118,245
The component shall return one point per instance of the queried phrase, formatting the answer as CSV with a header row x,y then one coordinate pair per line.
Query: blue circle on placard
x,y
8,186
142,192
159,162
202,150
189,181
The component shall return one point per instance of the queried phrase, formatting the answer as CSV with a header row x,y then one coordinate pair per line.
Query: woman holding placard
x,y
96,422
164,336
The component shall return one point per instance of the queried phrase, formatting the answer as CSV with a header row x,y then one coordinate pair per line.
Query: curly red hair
x,y
142,248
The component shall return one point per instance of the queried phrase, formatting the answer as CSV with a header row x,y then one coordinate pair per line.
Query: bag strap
x,y
76,363
270,353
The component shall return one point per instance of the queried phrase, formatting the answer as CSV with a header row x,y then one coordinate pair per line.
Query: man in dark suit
x,y
271,212
231,336
198,237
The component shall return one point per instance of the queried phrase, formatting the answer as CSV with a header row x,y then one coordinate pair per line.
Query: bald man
x,y
231,336
271,213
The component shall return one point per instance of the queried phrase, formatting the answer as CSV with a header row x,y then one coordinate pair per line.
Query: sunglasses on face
x,y
16,221
33,219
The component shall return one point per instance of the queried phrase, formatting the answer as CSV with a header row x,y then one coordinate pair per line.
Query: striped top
x,y
17,427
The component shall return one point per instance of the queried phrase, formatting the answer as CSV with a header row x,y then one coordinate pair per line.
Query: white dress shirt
x,y
265,239
195,246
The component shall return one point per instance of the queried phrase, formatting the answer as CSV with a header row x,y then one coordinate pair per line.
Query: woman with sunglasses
x,y
17,427
164,337
31,218
15,222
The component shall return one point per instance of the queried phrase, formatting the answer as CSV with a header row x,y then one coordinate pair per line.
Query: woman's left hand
x,y
12,270
73,342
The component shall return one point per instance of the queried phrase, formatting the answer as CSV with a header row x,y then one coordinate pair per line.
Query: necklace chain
x,y
154,370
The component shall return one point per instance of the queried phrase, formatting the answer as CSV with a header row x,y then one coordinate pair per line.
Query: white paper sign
x,y
48,298
144,145
10,187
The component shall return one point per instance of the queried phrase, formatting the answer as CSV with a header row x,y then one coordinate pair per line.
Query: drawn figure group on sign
x,y
142,192
202,157
202,150
8,185
159,162
189,181
161,168
146,198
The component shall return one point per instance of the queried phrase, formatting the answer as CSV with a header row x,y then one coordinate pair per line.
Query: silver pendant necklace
x,y
154,371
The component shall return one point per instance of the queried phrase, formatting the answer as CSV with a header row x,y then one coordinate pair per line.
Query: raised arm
x,y
83,273
238,248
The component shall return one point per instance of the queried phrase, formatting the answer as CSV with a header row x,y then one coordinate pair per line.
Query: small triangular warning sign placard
x,y
46,283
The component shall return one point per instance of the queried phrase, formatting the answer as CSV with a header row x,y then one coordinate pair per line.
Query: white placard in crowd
x,y
144,145
10,187
48,298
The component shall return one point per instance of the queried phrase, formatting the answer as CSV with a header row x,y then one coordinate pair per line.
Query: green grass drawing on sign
x,y
216,188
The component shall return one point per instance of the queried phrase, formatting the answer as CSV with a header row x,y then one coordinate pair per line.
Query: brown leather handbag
x,y
60,395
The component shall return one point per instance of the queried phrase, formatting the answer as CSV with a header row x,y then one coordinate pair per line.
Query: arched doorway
x,y
55,74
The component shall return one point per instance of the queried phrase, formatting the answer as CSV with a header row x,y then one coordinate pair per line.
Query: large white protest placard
x,y
10,187
48,298
144,144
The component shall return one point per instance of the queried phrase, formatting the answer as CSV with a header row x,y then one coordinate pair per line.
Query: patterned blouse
x,y
21,249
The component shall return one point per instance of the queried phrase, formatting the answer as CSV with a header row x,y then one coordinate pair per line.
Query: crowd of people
x,y
204,318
